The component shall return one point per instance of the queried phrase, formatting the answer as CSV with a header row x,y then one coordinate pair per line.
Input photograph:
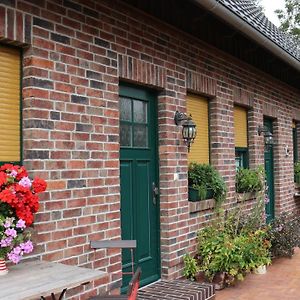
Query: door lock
x,y
155,192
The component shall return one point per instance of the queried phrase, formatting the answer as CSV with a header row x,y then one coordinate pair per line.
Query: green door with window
x,y
269,169
139,181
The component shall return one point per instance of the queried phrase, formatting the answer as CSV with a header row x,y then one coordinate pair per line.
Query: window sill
x,y
240,197
201,205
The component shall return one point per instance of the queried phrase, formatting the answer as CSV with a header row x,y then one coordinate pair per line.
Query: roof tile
x,y
251,14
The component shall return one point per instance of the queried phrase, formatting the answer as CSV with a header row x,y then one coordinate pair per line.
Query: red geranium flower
x,y
39,185
18,200
3,178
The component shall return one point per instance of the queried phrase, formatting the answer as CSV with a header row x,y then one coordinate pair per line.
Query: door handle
x,y
155,192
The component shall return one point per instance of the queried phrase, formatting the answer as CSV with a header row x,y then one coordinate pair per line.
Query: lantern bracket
x,y
179,117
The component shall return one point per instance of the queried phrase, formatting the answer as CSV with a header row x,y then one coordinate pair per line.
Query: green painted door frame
x,y
139,176
269,170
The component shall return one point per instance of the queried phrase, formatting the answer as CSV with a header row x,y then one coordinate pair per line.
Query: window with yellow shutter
x,y
241,137
10,120
198,107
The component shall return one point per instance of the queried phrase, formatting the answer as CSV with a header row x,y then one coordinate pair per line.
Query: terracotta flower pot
x,y
3,268
219,281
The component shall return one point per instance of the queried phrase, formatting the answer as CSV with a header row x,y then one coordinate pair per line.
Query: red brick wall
x,y
74,55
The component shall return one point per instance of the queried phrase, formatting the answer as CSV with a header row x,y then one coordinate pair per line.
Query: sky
x,y
270,6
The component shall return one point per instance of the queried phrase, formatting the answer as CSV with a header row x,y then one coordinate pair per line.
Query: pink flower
x,y
15,258
21,224
27,247
11,232
7,224
13,173
17,250
6,242
25,182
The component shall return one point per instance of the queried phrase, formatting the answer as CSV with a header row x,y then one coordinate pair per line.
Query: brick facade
x,y
75,53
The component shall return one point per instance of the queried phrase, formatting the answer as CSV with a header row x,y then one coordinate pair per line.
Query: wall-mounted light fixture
x,y
189,130
268,136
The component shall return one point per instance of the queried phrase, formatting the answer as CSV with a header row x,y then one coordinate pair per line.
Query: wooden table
x,y
31,280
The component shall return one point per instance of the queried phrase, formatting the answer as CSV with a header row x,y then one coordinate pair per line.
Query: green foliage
x,y
248,180
284,235
235,255
235,244
204,177
297,167
290,18
297,172
190,267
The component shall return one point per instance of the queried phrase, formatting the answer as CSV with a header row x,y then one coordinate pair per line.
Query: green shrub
x,y
297,167
204,177
248,180
297,172
234,255
235,244
190,267
284,235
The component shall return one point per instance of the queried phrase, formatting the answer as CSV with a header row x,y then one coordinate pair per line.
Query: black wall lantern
x,y
268,136
189,130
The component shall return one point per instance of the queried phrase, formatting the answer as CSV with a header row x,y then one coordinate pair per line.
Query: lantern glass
x,y
269,139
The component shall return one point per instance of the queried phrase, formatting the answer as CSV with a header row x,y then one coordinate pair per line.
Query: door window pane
x,y
125,109
140,136
125,135
139,111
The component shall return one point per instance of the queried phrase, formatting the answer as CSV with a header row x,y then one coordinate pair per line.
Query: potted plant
x,y
235,244
249,181
205,183
18,203
228,255
191,268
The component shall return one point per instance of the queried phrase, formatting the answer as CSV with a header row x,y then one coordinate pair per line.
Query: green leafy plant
x,y
248,180
235,244
284,235
203,177
234,255
297,172
190,267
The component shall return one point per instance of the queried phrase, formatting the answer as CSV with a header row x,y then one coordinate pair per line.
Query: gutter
x,y
231,18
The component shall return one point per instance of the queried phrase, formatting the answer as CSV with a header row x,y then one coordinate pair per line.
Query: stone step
x,y
177,289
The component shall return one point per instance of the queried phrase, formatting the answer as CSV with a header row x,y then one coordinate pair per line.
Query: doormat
x,y
177,289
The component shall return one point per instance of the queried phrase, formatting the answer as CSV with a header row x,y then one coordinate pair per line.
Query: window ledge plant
x,y
249,182
207,182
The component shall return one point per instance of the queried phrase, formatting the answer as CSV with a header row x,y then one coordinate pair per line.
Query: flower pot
x,y
3,268
194,194
261,270
219,281
200,277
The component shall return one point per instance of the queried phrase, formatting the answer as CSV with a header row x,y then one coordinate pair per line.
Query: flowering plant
x,y
18,203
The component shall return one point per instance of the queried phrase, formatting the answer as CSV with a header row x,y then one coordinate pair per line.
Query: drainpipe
x,y
229,17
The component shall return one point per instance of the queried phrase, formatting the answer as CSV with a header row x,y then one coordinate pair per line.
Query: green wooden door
x,y
269,169
139,177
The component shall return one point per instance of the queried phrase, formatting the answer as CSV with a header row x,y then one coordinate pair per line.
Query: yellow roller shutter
x,y
198,108
240,127
9,104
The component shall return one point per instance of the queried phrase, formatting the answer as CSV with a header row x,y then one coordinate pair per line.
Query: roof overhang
x,y
238,23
